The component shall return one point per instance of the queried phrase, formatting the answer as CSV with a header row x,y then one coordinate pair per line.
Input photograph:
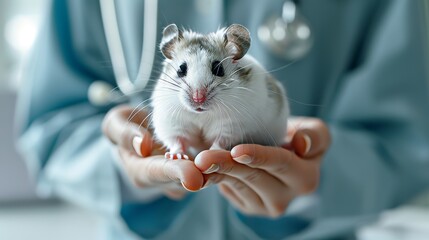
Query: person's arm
x,y
60,132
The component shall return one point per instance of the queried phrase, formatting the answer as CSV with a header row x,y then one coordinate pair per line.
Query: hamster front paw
x,y
176,156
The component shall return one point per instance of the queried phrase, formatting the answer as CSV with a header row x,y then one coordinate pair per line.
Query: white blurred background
x,y
23,215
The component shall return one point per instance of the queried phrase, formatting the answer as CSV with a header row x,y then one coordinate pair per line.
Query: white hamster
x,y
210,94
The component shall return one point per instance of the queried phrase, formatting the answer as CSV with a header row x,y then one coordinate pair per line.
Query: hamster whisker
x,y
228,116
218,138
226,58
172,82
232,85
305,104
130,118
247,89
142,122
175,69
161,97
171,65
169,82
176,114
226,112
134,112
267,139
239,123
123,96
217,85
257,120
150,119
174,79
137,110
280,68
296,101
149,115
269,71
239,69
169,89
225,83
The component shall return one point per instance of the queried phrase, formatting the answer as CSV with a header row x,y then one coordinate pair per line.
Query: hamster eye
x,y
217,69
183,69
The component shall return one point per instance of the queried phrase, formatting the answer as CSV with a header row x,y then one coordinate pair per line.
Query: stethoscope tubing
x,y
116,51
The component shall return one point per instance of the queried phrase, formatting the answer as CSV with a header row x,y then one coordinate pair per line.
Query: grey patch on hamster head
x,y
233,41
175,41
197,43
274,91
237,40
170,36
244,73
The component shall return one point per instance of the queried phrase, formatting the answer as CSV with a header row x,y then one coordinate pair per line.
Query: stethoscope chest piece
x,y
288,36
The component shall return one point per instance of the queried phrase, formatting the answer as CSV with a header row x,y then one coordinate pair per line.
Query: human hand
x,y
143,160
261,180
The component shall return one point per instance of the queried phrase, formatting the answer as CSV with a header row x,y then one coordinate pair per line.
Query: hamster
x,y
212,95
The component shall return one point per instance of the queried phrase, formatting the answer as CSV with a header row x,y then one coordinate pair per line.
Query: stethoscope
x,y
288,36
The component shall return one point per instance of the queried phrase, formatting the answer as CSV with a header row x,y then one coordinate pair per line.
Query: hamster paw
x,y
176,156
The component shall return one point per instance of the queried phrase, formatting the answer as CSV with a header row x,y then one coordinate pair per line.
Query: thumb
x,y
127,132
302,143
142,143
311,139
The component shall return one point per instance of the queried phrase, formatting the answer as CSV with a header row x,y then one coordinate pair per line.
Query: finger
x,y
301,143
183,172
158,171
117,119
273,192
123,127
242,197
232,197
309,137
301,176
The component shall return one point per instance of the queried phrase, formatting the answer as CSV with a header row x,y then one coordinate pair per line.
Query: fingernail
x,y
307,140
137,142
183,185
243,159
213,168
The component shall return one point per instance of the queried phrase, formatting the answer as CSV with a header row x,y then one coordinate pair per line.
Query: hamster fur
x,y
210,94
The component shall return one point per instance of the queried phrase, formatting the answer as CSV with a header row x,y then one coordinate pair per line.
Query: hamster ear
x,y
237,40
170,36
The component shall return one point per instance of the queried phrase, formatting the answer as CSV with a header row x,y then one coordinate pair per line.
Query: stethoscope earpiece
x,y
288,36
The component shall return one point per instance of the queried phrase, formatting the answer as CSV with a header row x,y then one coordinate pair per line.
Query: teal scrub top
x,y
366,76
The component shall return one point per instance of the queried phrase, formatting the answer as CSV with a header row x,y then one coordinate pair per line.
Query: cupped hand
x,y
143,160
262,180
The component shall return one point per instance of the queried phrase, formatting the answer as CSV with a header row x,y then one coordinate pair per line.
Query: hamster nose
x,y
199,96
